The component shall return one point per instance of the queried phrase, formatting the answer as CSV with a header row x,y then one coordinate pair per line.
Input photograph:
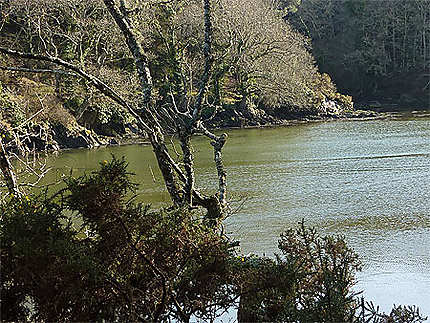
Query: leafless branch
x,y
33,116
97,83
35,70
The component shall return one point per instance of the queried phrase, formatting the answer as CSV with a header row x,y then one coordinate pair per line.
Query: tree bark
x,y
7,171
188,159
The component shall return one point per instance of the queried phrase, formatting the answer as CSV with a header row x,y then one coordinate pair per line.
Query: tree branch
x,y
94,81
218,143
188,157
141,59
35,70
207,51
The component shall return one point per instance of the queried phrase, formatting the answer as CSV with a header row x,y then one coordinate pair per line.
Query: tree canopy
x,y
373,49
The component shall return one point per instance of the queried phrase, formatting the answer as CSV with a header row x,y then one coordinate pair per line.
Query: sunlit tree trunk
x,y
7,171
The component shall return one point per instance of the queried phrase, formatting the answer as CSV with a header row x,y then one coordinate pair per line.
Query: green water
x,y
367,180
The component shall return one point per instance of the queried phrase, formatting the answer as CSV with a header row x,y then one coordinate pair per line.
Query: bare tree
x,y
28,167
268,59
259,59
180,117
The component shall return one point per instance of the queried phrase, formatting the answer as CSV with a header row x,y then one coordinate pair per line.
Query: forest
x,y
93,73
373,50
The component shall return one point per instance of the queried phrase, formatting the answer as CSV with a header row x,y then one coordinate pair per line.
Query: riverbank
x,y
54,135
57,137
236,121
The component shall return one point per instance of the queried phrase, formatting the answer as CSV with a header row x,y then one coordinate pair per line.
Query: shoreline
x,y
95,141
358,115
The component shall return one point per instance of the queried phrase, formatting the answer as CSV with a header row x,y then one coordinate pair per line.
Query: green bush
x,y
123,263
310,281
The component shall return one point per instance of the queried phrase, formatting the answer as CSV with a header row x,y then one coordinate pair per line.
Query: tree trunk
x,y
7,171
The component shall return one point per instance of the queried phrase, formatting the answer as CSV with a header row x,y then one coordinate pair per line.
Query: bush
x,y
310,281
124,263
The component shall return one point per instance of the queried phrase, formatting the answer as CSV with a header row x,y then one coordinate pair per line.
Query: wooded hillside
x,y
374,50
262,69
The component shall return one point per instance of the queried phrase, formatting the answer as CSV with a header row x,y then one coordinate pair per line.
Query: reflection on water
x,y
369,181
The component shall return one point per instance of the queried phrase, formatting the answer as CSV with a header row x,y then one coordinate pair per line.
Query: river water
x,y
366,180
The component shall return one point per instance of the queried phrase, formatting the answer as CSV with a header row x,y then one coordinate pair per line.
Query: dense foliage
x,y
376,50
260,59
116,260
90,253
